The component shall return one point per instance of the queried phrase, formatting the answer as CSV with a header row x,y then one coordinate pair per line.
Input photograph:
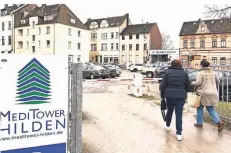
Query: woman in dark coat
x,y
174,88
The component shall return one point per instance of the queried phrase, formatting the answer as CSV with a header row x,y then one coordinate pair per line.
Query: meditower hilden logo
x,y
33,84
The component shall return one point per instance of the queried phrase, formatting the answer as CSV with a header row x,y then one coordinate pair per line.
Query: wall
x,y
141,41
5,33
62,38
156,38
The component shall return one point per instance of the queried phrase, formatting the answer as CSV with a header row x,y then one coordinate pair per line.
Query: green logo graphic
x,y
33,84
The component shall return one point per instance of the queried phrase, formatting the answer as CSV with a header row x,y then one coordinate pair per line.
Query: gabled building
x,y
105,38
206,39
136,42
9,15
52,29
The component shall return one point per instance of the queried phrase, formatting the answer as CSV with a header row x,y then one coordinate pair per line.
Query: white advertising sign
x,y
33,105
161,52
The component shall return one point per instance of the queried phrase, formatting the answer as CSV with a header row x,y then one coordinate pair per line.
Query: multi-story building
x,y
206,39
105,38
52,29
8,17
136,42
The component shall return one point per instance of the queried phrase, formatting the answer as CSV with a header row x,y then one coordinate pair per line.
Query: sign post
x,y
33,105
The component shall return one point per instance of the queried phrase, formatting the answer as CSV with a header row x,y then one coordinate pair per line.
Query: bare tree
x,y
166,42
218,12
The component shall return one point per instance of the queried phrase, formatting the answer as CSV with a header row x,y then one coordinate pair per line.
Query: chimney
x,y
127,18
89,19
6,6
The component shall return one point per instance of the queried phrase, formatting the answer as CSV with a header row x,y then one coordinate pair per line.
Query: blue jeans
x,y
211,111
178,105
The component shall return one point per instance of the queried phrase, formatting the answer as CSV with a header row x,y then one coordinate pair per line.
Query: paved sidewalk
x,y
117,123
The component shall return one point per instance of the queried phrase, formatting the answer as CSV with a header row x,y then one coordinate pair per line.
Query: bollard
x,y
149,93
128,87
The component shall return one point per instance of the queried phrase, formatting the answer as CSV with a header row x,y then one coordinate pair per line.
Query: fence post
x,y
76,109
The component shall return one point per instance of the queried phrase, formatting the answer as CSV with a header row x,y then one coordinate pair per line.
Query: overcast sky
x,y
168,15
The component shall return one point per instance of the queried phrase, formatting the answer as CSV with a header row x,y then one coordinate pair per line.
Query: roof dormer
x,y
202,28
94,25
104,24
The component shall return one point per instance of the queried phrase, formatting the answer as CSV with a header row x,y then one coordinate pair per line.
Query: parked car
x,y
136,67
117,68
224,86
112,71
95,71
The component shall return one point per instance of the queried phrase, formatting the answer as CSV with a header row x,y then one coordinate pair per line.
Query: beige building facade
x,y
206,39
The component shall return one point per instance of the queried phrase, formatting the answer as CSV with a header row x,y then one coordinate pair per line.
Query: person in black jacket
x,y
174,87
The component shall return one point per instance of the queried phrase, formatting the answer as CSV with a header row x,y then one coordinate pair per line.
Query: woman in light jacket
x,y
207,83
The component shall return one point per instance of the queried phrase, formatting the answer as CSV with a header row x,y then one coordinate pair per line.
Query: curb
x,y
116,80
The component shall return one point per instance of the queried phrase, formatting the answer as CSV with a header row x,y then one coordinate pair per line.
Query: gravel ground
x,y
114,122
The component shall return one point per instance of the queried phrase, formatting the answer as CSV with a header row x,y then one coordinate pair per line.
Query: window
x,y
93,36
123,47
48,30
20,32
3,40
27,44
214,60
79,46
103,46
185,43
112,35
193,75
130,37
33,49
39,43
137,58
123,38
117,46
105,59
69,45
123,58
39,31
137,36
28,32
202,29
137,47
20,44
117,35
33,37
104,36
79,33
112,46
93,47
214,42
202,43
9,40
9,25
48,43
33,24
69,32
222,61
223,43
192,43
130,47
145,36
130,58
79,58
3,26
145,46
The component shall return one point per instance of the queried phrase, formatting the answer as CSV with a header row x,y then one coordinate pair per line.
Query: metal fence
x,y
75,93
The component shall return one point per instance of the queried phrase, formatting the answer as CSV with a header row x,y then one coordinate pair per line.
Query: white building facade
x,y
105,38
42,33
136,41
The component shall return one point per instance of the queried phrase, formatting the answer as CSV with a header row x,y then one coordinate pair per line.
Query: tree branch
x,y
216,12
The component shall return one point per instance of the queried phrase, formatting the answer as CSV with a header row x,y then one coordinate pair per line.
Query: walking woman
x,y
174,88
207,83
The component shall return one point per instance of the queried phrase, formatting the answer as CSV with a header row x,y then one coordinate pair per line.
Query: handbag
x,y
163,107
194,100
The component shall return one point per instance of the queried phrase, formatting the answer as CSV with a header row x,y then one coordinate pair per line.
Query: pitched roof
x,y
10,9
138,29
214,26
112,21
57,13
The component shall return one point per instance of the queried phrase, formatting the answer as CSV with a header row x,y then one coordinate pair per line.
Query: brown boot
x,y
198,125
221,125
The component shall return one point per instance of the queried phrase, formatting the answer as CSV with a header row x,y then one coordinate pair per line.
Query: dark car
x,y
224,86
95,71
112,72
